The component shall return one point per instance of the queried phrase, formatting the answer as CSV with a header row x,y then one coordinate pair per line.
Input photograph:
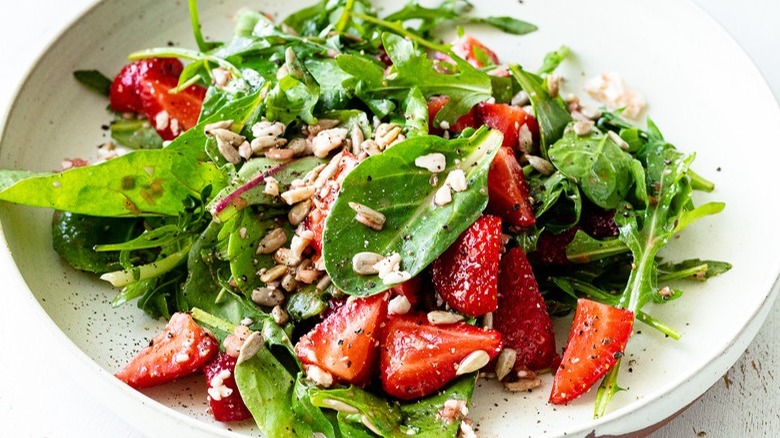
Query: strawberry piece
x,y
508,192
597,222
170,113
436,103
598,337
323,200
522,316
470,49
181,349
508,119
466,274
124,96
419,358
224,399
345,343
410,289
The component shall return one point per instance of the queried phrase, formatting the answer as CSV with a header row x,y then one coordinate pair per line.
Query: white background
x,y
37,399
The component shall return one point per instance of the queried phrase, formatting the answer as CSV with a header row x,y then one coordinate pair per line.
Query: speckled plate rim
x,y
155,419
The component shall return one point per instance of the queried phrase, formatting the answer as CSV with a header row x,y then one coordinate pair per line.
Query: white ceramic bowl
x,y
704,93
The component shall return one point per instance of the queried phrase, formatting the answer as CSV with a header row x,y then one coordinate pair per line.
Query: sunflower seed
x,y
223,124
279,154
280,315
370,147
553,84
540,164
370,217
367,422
273,273
328,172
228,151
388,264
294,196
251,346
300,242
298,146
487,320
617,139
272,241
363,263
266,296
396,277
523,384
505,362
443,196
324,281
285,256
437,317
327,140
319,376
520,99
299,212
590,113
386,133
322,125
307,275
357,138
525,139
473,362
583,127
289,283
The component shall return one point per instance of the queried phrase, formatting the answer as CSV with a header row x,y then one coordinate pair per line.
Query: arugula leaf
x,y
549,112
694,269
416,229
553,59
509,25
416,113
596,163
585,249
94,80
558,201
294,95
423,415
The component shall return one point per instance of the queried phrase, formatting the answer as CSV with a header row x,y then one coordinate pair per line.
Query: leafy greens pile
x,y
143,221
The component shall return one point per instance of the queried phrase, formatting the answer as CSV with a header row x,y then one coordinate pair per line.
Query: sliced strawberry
x,y
224,399
522,316
419,358
436,103
509,196
124,96
410,289
470,49
323,200
598,337
466,274
181,349
170,113
597,222
345,343
508,119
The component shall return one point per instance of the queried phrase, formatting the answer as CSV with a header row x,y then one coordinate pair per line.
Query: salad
x,y
346,222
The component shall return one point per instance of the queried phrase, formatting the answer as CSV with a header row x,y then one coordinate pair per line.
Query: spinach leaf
x,y
10,177
135,134
509,25
267,390
423,415
242,243
416,229
550,112
74,237
385,417
553,59
94,80
141,183
596,163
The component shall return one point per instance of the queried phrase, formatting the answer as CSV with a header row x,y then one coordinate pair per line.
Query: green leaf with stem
x,y
196,28
94,80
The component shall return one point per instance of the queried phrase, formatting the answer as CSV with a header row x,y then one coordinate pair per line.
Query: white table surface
x,y
39,400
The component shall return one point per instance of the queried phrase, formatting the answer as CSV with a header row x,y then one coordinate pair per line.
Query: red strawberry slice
x,y
508,192
598,337
224,399
345,343
551,248
436,103
597,222
419,358
170,113
409,289
323,200
124,96
508,119
181,349
522,316
466,275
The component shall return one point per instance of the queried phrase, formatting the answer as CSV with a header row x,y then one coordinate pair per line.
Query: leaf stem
x,y
196,29
399,29
211,320
193,55
699,182
658,325
144,272
341,25
607,390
